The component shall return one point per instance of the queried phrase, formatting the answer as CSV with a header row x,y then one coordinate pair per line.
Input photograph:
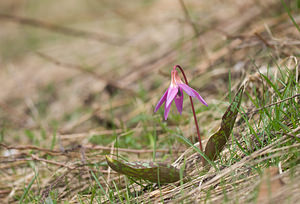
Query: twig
x,y
194,27
188,18
272,104
5,192
136,151
293,136
102,132
60,29
52,162
264,40
28,147
260,37
139,71
19,161
114,84
46,190
87,147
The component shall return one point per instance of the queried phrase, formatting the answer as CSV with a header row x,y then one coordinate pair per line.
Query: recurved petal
x,y
187,89
167,110
171,95
193,93
162,100
179,101
199,97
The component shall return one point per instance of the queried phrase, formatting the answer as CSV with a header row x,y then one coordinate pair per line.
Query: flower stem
x,y
193,109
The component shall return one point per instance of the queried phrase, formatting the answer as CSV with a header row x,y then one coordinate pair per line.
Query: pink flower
x,y
175,93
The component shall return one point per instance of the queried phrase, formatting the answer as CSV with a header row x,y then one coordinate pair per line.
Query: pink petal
x,y
167,110
171,95
179,101
187,89
200,98
191,92
161,101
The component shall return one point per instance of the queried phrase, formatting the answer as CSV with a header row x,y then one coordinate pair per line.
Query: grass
x,y
56,130
273,123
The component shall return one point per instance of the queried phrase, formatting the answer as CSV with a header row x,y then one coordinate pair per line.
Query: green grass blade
x,y
290,15
100,186
198,150
271,84
28,188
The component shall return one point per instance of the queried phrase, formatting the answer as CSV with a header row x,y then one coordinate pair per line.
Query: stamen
x,y
179,92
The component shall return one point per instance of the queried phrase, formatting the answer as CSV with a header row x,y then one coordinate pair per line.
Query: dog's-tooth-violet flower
x,y
175,93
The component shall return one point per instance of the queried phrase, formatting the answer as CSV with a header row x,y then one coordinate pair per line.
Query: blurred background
x,y
62,63
98,68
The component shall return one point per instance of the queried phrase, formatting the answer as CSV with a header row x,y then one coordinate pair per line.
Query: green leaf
x,y
218,140
153,172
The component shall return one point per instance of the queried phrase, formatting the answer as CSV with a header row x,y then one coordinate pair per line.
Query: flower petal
x,y
190,91
171,95
167,110
199,97
187,89
162,100
179,101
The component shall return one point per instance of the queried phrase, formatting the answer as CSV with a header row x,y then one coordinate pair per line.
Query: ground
x,y
80,79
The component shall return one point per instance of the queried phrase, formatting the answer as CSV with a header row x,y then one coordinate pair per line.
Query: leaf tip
x,y
109,159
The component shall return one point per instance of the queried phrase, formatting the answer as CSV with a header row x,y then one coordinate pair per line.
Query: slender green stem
x,y
290,15
193,109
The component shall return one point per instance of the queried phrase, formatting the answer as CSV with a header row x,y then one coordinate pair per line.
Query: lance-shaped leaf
x,y
153,172
218,140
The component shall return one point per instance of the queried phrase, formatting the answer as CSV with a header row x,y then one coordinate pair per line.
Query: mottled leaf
x,y
218,140
154,172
